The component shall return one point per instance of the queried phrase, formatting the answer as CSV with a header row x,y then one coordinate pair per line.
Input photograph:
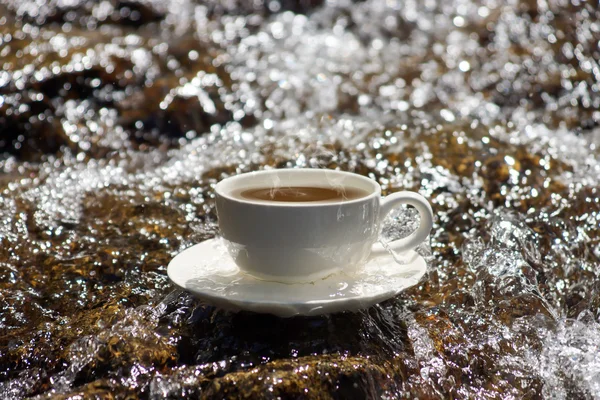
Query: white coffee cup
x,y
296,242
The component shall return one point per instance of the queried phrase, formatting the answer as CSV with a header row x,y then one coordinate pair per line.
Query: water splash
x,y
119,117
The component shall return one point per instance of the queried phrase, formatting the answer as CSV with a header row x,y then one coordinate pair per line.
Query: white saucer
x,y
207,271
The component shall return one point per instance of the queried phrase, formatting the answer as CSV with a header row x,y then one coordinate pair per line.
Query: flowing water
x,y
118,117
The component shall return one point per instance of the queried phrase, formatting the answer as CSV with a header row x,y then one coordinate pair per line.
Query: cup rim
x,y
375,192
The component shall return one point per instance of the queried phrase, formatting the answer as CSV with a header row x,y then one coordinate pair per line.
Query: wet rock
x,y
29,127
184,112
117,118
87,14
307,377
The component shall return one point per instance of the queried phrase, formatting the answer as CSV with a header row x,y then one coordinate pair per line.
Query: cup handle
x,y
388,203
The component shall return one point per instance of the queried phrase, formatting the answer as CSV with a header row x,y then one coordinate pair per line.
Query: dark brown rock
x,y
89,220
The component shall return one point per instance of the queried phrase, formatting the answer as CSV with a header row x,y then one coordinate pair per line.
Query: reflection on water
x,y
118,117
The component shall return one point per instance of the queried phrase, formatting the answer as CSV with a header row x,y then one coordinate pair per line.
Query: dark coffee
x,y
300,194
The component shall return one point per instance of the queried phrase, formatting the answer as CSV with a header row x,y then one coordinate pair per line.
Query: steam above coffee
x,y
302,194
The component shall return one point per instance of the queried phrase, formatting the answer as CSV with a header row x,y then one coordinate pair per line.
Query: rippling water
x,y
118,117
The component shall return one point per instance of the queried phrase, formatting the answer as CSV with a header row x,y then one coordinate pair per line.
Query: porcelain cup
x,y
299,242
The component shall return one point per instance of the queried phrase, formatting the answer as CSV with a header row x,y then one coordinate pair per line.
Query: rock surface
x,y
118,117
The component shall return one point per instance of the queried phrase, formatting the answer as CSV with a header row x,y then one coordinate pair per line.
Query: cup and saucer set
x,y
302,242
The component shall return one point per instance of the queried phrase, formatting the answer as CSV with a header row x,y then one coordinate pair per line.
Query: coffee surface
x,y
301,194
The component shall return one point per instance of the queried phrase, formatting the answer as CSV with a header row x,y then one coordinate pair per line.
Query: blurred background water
x,y
118,117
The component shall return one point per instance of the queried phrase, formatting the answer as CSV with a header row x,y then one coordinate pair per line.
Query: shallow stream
x,y
118,117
